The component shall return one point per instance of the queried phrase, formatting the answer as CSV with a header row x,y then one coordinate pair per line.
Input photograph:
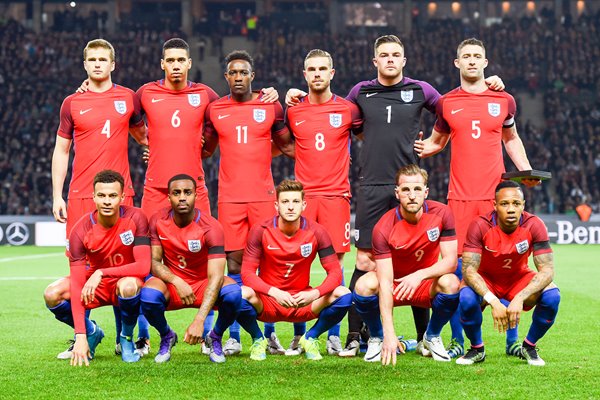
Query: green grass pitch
x,y
30,338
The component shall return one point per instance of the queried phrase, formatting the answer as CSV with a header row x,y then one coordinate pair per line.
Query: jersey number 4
x,y
106,129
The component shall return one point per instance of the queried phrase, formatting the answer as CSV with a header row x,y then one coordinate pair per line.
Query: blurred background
x,y
546,52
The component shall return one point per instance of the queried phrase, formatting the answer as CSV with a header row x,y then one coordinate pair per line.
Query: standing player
x,y
244,127
495,267
282,249
477,121
407,243
174,109
96,124
188,262
109,255
321,123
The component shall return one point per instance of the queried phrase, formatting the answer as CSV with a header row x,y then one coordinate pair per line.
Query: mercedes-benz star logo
x,y
17,233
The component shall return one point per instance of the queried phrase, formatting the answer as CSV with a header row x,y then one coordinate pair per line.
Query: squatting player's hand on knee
x,y
185,291
500,316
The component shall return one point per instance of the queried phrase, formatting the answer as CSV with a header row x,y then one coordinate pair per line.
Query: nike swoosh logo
x,y
156,100
96,250
400,247
488,249
456,111
371,94
81,112
300,122
162,238
223,116
346,243
269,247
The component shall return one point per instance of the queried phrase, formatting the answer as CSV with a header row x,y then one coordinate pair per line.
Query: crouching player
x,y
407,242
114,241
188,265
495,267
282,249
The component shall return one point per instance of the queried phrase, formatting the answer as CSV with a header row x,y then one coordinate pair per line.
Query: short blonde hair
x,y
314,53
99,44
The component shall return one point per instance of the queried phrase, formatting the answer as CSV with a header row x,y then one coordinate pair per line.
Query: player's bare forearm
x,y
515,148
162,272
211,294
445,265
385,277
432,145
545,266
140,134
470,266
285,143
216,272
60,165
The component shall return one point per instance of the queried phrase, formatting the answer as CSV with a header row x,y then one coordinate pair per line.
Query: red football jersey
x,y
111,250
98,124
504,256
284,262
322,134
186,250
475,122
244,131
413,246
175,122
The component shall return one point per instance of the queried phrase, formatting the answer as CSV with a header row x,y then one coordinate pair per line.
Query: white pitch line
x,y
31,257
29,278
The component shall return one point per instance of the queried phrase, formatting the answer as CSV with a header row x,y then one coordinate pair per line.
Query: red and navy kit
x,y
504,255
475,122
186,250
284,262
175,122
413,246
245,130
122,250
98,124
322,136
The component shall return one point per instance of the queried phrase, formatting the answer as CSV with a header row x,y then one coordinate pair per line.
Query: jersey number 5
x,y
476,129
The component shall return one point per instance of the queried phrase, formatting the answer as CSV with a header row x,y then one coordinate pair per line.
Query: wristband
x,y
489,297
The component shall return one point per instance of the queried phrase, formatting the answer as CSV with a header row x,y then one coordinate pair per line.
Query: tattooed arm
x,y
545,266
216,273
470,266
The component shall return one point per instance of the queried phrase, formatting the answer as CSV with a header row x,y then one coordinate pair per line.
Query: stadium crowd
x,y
559,61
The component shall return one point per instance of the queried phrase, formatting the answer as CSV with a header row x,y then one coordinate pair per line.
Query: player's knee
x,y
231,296
550,298
54,293
448,284
248,293
128,287
340,291
367,285
468,300
364,261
